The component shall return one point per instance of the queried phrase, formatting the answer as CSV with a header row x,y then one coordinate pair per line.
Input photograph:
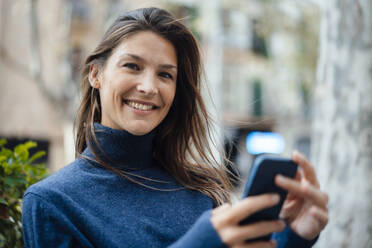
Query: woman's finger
x,y
307,168
261,244
290,197
239,234
250,205
320,214
221,208
298,175
303,190
291,204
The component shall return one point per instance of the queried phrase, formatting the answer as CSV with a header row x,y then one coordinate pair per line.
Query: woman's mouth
x,y
139,106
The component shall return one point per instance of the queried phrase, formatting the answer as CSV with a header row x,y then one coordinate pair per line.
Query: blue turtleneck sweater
x,y
85,205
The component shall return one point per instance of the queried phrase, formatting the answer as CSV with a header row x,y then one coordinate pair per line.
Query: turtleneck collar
x,y
124,150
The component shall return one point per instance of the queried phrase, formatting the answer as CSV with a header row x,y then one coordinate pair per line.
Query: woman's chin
x,y
139,131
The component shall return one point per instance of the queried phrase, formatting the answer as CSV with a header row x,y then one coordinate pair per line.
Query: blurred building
x,y
268,72
259,59
42,46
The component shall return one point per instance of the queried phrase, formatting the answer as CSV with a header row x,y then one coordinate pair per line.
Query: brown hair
x,y
182,141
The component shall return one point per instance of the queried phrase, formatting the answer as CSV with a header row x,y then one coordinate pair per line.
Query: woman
x,y
144,175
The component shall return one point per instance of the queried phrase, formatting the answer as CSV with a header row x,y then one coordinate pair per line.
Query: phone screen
x,y
261,181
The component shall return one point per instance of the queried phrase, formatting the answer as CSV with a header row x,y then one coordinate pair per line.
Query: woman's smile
x,y
146,107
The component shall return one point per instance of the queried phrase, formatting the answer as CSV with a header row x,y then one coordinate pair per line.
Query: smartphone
x,y
261,181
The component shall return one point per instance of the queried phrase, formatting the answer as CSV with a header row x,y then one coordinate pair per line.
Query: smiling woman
x,y
145,174
137,84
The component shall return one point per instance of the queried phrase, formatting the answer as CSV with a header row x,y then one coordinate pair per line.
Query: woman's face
x,y
137,85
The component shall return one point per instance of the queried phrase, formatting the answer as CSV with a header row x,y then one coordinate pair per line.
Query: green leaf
x,y
14,181
21,152
3,201
6,152
2,240
6,167
3,142
30,144
37,155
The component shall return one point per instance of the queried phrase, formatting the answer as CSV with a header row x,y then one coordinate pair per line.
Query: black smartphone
x,y
261,181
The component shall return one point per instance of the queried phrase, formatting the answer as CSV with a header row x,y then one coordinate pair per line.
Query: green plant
x,y
17,173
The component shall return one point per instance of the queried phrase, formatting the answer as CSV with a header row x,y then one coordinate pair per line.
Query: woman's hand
x,y
305,208
225,219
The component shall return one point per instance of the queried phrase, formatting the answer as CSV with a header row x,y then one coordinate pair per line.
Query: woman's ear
x,y
94,76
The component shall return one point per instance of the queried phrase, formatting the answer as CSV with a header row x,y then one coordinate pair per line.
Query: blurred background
x,y
283,75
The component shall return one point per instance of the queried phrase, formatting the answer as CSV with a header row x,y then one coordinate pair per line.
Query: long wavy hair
x,y
182,144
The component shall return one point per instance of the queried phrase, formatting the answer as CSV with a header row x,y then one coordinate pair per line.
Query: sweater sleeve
x,y
201,235
289,239
44,225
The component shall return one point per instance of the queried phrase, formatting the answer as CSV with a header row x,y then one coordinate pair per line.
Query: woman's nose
x,y
148,85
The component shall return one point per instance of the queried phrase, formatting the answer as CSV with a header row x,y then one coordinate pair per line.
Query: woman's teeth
x,y
140,106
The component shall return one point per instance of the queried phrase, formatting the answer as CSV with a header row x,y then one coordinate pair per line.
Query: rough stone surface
x,y
342,127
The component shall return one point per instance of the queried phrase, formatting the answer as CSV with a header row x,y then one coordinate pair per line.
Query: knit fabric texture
x,y
86,205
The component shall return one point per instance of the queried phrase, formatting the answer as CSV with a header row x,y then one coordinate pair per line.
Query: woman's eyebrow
x,y
168,66
133,56
136,57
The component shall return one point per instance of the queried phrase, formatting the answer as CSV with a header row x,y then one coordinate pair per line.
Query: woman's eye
x,y
166,75
132,66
